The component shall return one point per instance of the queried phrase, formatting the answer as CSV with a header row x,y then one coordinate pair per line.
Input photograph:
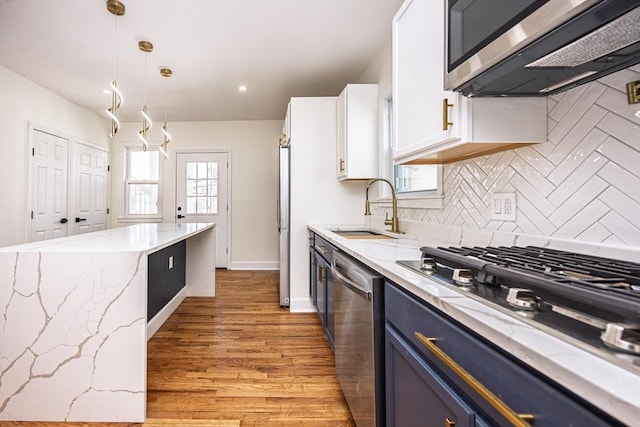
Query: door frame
x,y
226,151
71,184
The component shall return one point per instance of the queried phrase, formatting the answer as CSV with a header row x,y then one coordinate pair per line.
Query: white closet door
x,y
90,170
49,186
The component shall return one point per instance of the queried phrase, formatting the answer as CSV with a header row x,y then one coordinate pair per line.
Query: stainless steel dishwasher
x,y
359,326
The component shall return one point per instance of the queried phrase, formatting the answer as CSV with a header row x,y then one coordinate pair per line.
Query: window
x,y
410,181
202,188
412,178
142,182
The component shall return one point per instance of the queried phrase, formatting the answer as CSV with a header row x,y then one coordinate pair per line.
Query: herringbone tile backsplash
x,y
583,184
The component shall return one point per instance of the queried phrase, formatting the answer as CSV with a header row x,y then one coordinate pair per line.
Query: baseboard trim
x,y
254,265
154,324
301,305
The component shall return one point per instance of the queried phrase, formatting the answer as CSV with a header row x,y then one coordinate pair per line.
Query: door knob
x,y
63,220
180,216
78,219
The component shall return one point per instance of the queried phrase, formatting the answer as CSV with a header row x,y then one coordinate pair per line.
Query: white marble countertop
x,y
134,238
600,381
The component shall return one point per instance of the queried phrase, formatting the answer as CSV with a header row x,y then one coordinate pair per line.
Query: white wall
x,y
379,71
254,178
23,102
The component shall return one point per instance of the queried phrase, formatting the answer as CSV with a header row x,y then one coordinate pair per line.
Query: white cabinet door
x,y
432,125
341,146
418,77
357,133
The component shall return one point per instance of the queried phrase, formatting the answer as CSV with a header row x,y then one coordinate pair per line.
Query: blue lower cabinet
x,y
321,283
330,326
313,277
165,276
416,395
439,373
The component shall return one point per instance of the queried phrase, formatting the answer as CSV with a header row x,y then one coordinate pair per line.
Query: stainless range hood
x,y
559,46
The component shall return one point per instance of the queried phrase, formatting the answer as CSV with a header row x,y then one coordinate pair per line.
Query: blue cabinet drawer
x,y
520,388
323,247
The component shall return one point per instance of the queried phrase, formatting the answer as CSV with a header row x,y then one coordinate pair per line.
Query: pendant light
x,y
145,47
166,73
116,8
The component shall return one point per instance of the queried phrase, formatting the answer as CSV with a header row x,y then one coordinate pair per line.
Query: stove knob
x,y
523,299
621,336
462,277
428,264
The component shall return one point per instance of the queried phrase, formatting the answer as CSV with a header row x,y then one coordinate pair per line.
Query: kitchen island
x,y
73,319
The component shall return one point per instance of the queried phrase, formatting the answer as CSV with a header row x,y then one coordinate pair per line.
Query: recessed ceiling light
x,y
242,88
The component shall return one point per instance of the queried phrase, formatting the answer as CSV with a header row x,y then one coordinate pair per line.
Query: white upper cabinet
x,y
432,125
418,64
357,154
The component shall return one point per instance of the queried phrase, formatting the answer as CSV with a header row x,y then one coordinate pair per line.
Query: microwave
x,y
537,47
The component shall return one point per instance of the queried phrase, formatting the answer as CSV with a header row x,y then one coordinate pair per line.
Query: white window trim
x,y
433,199
125,217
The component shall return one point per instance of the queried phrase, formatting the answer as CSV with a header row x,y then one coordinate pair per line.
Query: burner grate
x,y
588,283
560,265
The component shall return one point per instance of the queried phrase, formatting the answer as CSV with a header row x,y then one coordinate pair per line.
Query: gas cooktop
x,y
592,301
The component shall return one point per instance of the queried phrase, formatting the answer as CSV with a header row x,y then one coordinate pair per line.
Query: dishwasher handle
x,y
335,269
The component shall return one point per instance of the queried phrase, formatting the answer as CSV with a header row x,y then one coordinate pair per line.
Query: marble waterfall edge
x,y
73,336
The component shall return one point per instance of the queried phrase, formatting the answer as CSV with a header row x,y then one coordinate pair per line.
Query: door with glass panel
x,y
202,195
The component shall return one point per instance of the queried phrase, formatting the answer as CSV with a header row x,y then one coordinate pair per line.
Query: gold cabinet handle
x,y
320,274
449,423
633,92
445,114
341,165
518,420
320,249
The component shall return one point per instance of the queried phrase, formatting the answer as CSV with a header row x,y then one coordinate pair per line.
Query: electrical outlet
x,y
503,206
170,262
506,206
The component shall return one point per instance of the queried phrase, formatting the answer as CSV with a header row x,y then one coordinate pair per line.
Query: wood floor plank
x,y
238,360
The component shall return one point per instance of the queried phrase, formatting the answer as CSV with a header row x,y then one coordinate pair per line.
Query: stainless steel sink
x,y
362,234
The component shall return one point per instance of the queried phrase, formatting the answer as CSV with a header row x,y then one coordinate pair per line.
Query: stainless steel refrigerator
x,y
284,191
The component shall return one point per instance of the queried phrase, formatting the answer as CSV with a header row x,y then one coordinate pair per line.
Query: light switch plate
x,y
503,206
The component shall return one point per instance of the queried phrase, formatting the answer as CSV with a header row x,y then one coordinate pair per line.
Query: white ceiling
x,y
277,48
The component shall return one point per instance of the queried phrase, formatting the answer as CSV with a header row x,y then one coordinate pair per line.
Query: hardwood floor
x,y
239,360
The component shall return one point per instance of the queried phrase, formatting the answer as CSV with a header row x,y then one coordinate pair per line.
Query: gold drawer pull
x,y
341,165
322,250
445,114
320,274
449,423
519,420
